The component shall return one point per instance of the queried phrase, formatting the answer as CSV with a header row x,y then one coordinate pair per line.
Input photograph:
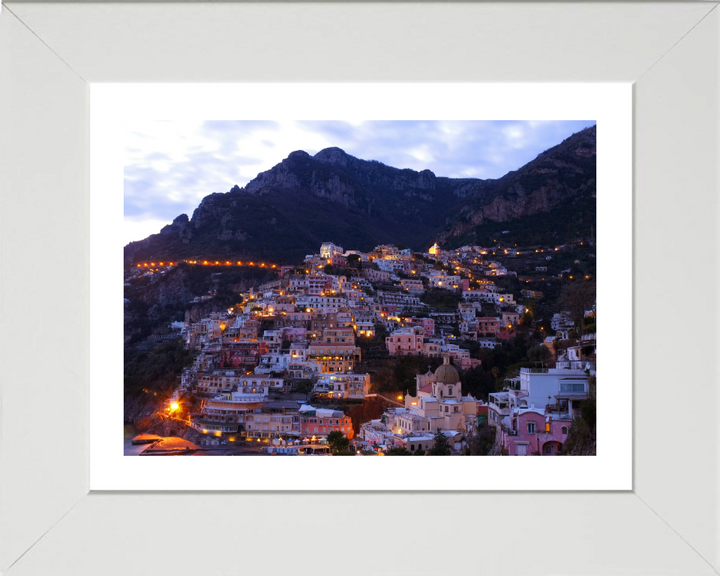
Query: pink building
x,y
531,432
317,285
376,275
506,332
428,325
388,310
405,341
291,334
510,318
488,326
320,422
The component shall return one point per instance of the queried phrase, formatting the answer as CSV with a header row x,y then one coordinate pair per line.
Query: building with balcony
x,y
343,385
405,341
535,413
334,357
488,326
243,354
319,422
224,380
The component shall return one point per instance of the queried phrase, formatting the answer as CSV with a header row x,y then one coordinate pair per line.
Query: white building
x,y
328,250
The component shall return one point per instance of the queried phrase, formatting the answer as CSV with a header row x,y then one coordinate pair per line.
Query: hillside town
x,y
303,364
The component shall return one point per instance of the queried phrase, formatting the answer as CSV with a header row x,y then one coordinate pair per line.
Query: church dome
x,y
447,373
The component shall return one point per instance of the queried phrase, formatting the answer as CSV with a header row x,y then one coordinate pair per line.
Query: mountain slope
x,y
551,199
289,210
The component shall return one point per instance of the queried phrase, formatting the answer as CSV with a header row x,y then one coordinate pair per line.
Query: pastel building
x,y
488,326
343,385
224,380
535,415
438,403
321,421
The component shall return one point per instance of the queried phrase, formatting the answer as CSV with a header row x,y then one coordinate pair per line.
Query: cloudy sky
x,y
171,165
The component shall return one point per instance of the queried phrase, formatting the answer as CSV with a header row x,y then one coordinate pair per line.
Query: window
x,y
531,427
564,430
572,387
547,449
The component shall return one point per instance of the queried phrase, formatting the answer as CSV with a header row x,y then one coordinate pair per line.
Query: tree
x,y
338,442
478,382
442,444
581,438
577,297
401,451
304,386
539,353
419,453
480,441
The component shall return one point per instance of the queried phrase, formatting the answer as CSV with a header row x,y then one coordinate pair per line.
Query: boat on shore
x,y
146,438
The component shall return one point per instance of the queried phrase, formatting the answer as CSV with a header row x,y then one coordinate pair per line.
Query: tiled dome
x,y
447,373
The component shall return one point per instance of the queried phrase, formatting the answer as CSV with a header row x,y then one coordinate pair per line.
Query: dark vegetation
x,y
155,301
442,445
442,300
582,436
155,371
480,441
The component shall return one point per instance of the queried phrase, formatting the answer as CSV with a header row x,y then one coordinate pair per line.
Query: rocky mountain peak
x,y
298,155
333,155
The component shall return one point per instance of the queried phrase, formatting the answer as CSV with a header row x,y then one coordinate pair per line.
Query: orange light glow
x,y
174,406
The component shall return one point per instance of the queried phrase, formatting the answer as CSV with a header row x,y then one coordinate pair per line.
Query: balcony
x,y
502,408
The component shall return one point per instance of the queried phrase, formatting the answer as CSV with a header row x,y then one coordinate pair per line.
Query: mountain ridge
x,y
287,211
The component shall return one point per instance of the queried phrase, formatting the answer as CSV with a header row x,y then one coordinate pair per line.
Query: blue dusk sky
x,y
170,166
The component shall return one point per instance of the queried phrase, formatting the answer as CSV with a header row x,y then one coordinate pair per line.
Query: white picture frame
x,y
49,523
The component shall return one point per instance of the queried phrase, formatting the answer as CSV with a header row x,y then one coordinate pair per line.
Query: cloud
x,y
171,165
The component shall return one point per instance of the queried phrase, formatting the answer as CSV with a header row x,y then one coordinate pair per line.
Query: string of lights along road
x,y
205,263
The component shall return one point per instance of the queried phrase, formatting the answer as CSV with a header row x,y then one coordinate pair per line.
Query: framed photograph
x,y
234,398
70,505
